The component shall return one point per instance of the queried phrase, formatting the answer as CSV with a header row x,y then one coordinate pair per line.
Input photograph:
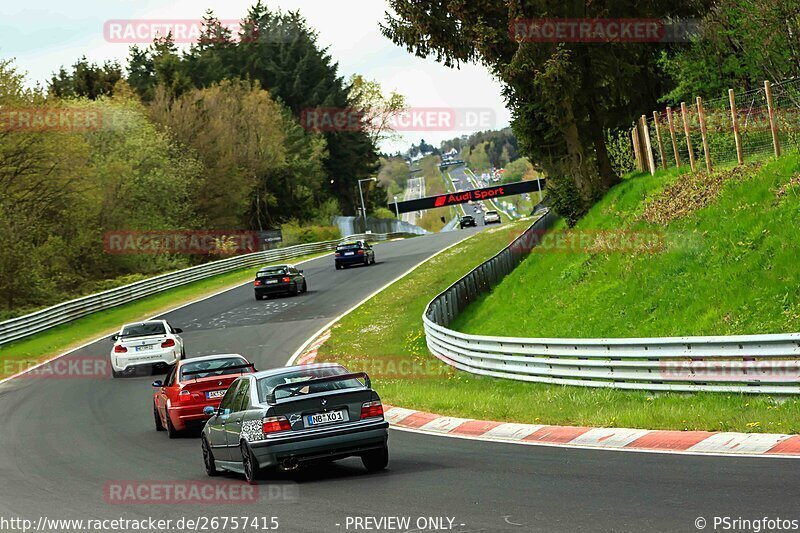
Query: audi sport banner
x,y
462,197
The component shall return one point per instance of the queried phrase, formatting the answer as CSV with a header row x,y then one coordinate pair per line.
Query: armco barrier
x,y
20,327
768,364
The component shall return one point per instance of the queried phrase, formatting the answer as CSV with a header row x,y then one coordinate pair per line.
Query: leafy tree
x,y
86,79
563,96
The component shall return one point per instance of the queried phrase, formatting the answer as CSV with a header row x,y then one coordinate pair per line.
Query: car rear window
x,y
144,329
491,212
349,246
271,272
213,367
265,385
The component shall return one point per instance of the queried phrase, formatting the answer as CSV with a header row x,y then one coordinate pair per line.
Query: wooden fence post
x,y
672,136
772,125
648,147
635,141
660,142
688,138
735,120
701,116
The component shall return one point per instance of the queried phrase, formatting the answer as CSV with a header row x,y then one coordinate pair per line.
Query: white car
x,y
491,217
154,343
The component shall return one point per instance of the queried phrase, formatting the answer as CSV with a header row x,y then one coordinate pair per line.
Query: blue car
x,y
353,253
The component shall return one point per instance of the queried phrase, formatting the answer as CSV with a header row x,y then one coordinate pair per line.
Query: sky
x,y
45,34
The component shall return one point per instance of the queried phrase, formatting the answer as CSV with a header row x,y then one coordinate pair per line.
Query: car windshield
x,y
276,271
213,367
266,384
491,212
466,218
144,329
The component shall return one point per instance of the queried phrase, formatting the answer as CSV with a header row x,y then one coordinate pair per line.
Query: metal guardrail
x,y
38,321
767,364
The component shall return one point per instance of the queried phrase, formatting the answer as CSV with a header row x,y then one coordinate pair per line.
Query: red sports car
x,y
190,386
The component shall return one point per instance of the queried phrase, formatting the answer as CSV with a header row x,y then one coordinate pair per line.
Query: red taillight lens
x,y
286,280
337,254
361,252
272,424
169,343
371,409
257,283
120,349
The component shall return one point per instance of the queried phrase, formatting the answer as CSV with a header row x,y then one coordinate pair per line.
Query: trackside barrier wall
x,y
766,364
20,327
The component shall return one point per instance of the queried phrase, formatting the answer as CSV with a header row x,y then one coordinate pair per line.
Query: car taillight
x,y
371,409
271,424
286,280
361,252
169,343
257,282
337,254
120,349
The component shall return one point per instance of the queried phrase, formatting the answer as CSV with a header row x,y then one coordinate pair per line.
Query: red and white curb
x,y
642,440
622,439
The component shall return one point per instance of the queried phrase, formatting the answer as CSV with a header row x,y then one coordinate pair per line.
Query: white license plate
x,y
215,394
330,417
144,348
271,281
349,253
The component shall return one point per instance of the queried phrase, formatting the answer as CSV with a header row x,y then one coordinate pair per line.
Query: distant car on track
x,y
192,385
491,217
353,253
467,220
154,343
281,279
292,416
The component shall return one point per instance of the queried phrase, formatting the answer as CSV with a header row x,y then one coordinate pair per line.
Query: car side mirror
x,y
300,271
178,330
209,411
158,383
114,337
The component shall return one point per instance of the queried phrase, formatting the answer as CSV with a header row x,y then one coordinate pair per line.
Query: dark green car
x,y
291,416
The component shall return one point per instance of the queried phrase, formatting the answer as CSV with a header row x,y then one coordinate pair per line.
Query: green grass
x,y
727,268
27,352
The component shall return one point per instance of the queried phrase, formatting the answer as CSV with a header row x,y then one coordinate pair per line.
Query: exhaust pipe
x,y
290,463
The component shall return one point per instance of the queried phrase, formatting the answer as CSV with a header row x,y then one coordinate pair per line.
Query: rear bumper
x,y
352,260
275,288
126,361
190,416
329,445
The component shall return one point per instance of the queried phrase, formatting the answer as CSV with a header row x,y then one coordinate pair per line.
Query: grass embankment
x,y
25,353
728,265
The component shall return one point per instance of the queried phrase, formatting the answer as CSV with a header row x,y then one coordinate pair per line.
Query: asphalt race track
x,y
64,439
